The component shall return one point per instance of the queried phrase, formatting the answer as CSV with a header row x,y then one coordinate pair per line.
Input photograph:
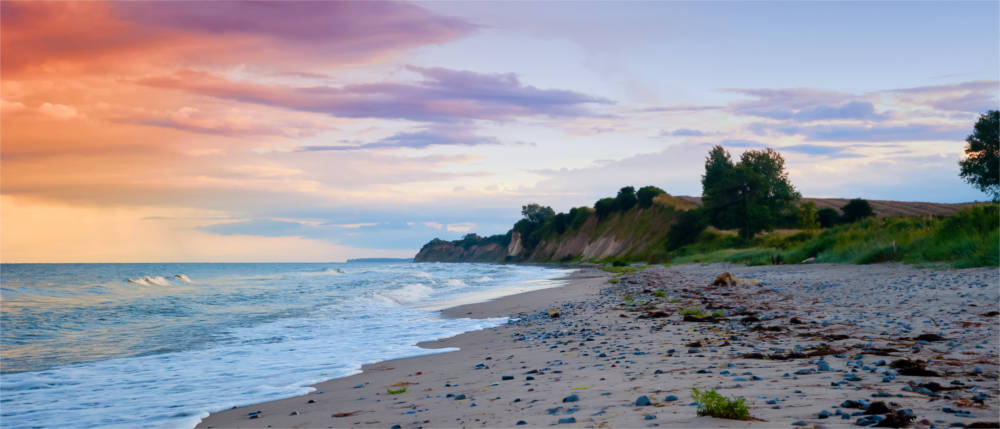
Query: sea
x,y
163,345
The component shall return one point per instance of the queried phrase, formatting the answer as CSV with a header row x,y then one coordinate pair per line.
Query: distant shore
x,y
800,343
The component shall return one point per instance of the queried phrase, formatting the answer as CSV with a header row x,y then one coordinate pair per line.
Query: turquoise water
x,y
162,345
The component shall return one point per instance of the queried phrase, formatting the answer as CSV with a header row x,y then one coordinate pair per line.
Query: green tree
x,y
536,213
828,217
646,195
981,166
715,184
690,224
626,198
808,217
856,210
604,207
751,195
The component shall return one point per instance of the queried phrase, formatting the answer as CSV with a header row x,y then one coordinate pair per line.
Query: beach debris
x,y
913,367
345,413
396,391
929,337
554,313
727,279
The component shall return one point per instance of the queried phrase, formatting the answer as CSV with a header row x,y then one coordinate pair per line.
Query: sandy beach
x,y
806,345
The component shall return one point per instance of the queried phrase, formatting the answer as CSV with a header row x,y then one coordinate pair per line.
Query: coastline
x,y
609,351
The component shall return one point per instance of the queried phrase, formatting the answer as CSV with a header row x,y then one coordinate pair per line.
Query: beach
x,y
805,345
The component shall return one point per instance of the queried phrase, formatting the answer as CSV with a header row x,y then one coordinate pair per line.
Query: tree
x,y
690,224
807,216
626,198
604,207
856,210
828,217
646,195
536,213
715,193
751,195
981,167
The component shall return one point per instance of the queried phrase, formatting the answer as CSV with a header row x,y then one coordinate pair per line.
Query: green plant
x,y
692,311
396,391
711,403
614,281
660,294
674,300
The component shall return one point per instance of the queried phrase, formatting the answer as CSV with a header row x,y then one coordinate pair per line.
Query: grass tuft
x,y
711,403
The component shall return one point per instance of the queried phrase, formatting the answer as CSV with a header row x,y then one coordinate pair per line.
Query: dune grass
x,y
969,238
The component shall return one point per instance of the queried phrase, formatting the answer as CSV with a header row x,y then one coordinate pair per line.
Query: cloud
x,y
460,227
231,122
437,136
682,132
820,150
264,34
679,108
863,133
974,96
804,104
60,111
443,95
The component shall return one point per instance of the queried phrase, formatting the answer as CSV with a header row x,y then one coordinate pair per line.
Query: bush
x,y
646,195
626,198
856,210
604,207
828,217
689,226
711,403
808,218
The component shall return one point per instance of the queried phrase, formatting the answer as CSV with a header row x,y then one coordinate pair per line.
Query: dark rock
x,y
913,367
521,423
642,401
571,398
566,420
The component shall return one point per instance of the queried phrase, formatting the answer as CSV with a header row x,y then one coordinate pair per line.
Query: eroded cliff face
x,y
450,252
638,233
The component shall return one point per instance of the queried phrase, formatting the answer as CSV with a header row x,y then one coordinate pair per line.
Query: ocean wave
x,y
150,281
455,282
183,278
407,294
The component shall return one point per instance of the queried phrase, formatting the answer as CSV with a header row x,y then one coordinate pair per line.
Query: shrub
x,y
828,217
604,207
689,226
711,403
856,210
660,294
646,194
626,198
691,311
808,218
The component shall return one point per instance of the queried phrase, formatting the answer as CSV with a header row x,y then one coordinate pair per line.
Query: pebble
x,y
571,398
642,401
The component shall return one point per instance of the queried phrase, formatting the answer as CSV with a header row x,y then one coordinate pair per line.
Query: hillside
x,y
882,208
637,234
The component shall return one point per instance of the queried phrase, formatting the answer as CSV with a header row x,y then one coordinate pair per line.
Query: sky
x,y
320,131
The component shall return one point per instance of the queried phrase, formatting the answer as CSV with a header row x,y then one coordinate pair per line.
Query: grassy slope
x,y
969,238
643,230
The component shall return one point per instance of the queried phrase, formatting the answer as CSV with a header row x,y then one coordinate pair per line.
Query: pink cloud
x,y
443,95
103,36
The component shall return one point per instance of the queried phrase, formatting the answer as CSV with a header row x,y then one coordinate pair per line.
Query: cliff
x,y
638,233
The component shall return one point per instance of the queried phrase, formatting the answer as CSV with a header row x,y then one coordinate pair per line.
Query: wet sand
x,y
804,344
